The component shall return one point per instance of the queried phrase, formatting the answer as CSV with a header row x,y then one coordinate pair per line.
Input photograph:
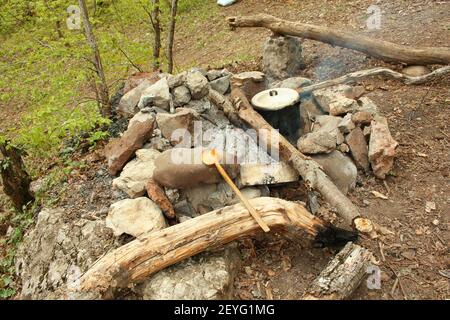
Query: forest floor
x,y
415,260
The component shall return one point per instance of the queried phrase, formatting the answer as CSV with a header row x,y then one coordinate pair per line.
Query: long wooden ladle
x,y
211,157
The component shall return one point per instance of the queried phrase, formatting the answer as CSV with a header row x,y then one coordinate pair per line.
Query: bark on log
x,y
16,181
384,50
308,169
342,276
358,75
154,251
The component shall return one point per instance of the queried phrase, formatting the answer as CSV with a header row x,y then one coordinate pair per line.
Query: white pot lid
x,y
275,99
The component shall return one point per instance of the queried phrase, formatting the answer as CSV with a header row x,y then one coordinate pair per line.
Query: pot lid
x,y
275,99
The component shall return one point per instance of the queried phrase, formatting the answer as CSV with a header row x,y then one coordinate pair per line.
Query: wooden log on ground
x,y
342,276
154,251
384,50
308,169
363,74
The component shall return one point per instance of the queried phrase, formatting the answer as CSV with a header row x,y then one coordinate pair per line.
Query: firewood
x,y
342,276
309,170
384,50
157,250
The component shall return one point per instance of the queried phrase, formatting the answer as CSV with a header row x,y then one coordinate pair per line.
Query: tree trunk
x,y
156,24
308,169
342,276
139,259
384,50
104,94
16,181
171,35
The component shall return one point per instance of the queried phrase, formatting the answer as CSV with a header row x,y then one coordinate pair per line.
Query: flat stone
x,y
251,82
174,81
118,151
342,105
221,85
381,147
128,104
267,174
177,127
317,142
282,57
197,84
137,78
181,96
362,118
136,173
181,168
324,97
206,276
156,95
340,168
367,105
208,197
358,147
346,125
416,71
355,92
135,217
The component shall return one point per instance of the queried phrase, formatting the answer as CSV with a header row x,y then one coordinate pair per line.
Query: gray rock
x,y
207,276
136,173
174,81
312,108
340,168
205,198
317,142
215,74
365,104
342,105
197,84
156,95
128,105
292,83
346,125
181,96
221,85
57,251
183,168
324,97
199,106
282,57
178,127
135,217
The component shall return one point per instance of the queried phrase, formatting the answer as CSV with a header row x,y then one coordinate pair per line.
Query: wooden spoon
x,y
211,157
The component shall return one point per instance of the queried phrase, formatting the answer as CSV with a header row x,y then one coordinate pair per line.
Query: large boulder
x,y
135,217
282,57
381,147
221,85
177,127
118,151
340,168
183,168
157,95
136,173
128,104
197,84
58,250
207,276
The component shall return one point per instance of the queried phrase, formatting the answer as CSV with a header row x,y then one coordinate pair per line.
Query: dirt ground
x,y
415,258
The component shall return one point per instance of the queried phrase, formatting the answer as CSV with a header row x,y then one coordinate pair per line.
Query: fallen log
x,y
358,75
154,251
342,276
384,50
308,169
